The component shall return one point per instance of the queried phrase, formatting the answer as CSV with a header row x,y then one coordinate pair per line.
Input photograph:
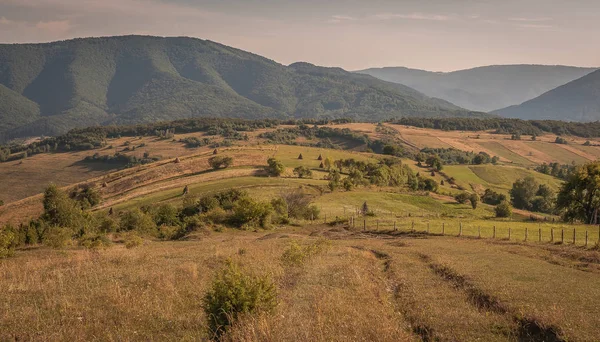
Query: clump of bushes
x,y
462,198
275,167
220,162
492,197
133,240
303,172
235,292
503,209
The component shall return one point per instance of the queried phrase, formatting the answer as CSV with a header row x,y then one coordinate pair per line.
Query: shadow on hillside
x,y
97,166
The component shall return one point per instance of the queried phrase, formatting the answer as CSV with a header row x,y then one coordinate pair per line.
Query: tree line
x,y
505,126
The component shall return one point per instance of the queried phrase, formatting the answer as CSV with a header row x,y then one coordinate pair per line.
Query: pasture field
x,y
30,176
373,286
418,267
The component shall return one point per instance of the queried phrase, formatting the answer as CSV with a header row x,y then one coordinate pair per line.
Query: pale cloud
x,y
411,16
54,27
336,19
535,26
531,19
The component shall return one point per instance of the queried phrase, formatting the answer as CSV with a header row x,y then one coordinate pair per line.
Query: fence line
x,y
580,237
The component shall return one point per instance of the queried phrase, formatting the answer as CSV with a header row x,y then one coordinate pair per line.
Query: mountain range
x,y
578,100
486,88
47,89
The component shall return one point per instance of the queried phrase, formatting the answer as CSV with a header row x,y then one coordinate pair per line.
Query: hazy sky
x,y
428,34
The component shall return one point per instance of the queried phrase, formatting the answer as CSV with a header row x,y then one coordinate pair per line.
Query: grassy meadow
x,y
418,267
398,287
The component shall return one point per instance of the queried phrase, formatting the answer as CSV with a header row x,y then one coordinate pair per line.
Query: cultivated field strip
x,y
558,299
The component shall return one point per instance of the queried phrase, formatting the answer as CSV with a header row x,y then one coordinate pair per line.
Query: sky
x,y
436,35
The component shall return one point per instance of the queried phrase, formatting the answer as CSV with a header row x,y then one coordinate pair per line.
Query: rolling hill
x,y
51,88
578,100
485,88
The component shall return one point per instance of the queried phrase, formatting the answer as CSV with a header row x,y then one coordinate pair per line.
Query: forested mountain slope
x,y
50,88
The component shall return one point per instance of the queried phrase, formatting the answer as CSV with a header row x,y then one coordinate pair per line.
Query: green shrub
x,y
133,240
166,215
8,240
474,199
248,213
297,255
503,209
167,232
94,241
190,225
208,203
58,237
107,224
303,172
220,162
275,167
462,198
492,197
136,220
234,293
216,215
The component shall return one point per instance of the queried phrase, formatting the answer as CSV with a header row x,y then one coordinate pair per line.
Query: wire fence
x,y
579,235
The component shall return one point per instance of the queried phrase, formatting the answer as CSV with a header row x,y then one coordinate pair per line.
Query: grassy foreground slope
x,y
400,288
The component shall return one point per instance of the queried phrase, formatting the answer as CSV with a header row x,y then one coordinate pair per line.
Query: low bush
x,y
492,198
297,255
7,242
133,240
233,293
58,237
136,220
94,241
462,198
220,162
503,209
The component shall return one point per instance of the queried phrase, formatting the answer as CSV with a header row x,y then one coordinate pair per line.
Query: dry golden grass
x,y
362,288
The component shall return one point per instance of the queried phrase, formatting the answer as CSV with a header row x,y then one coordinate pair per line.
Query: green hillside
x,y
576,101
485,88
134,79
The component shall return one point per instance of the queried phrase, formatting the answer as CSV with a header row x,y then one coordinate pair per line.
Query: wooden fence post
x,y
574,241
460,229
562,235
494,236
586,237
551,234
526,233
364,224
540,234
